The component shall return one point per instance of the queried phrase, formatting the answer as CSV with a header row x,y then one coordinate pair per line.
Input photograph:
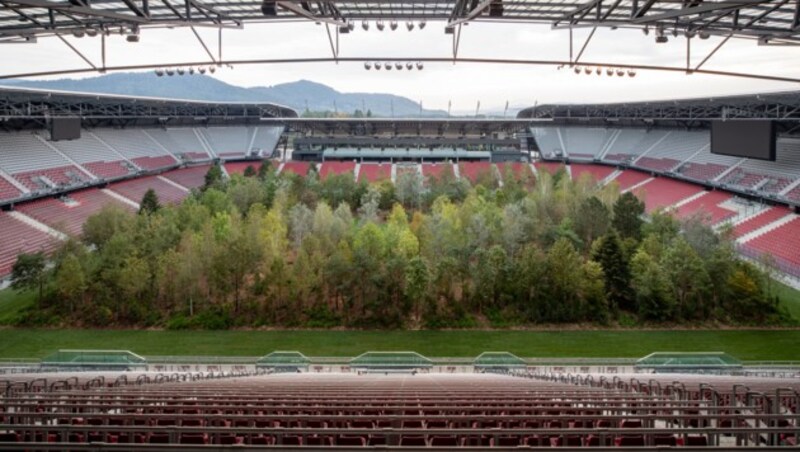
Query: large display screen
x,y
752,139
65,128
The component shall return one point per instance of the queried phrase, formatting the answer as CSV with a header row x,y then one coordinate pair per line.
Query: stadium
x,y
181,272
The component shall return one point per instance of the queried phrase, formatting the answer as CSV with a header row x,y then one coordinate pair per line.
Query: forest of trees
x,y
289,251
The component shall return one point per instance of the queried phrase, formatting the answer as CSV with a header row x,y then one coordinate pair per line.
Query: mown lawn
x,y
744,344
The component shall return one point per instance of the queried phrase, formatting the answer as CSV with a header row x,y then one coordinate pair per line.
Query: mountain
x,y
296,95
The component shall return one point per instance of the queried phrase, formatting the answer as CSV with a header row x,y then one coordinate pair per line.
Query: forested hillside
x,y
289,251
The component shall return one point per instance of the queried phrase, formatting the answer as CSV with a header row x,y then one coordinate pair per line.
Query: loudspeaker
x,y
269,9
496,8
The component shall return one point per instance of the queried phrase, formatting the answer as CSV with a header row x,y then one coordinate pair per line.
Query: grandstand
x,y
398,400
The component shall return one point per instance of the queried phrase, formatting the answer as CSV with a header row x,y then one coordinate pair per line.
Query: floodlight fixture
x,y
378,66
620,72
410,25
587,70
422,25
170,72
160,72
631,73
367,65
379,24
212,69
420,66
393,25
409,65
180,71
398,66
365,25
577,69
201,69
387,66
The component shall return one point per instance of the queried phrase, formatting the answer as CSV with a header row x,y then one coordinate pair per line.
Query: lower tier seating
x,y
69,213
333,167
19,237
192,177
476,171
299,168
597,172
134,189
709,207
374,172
663,192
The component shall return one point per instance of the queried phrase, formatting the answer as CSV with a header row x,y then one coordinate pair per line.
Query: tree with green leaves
x,y
609,254
213,178
150,203
628,211
249,171
71,281
29,273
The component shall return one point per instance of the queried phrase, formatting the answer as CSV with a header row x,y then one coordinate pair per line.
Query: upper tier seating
x,y
631,143
182,142
705,166
69,215
36,165
709,207
373,172
583,142
19,237
664,192
675,148
137,146
548,141
95,156
230,142
191,177
597,172
267,138
134,189
333,167
780,173
476,171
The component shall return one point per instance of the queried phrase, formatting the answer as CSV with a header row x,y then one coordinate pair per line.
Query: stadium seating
x,y
437,410
182,142
229,142
240,167
583,143
760,220
664,192
8,190
518,169
38,167
333,167
678,146
630,178
783,243
299,168
374,172
475,171
437,170
630,143
191,177
70,212
550,167
95,156
134,189
137,146
598,173
19,237
708,206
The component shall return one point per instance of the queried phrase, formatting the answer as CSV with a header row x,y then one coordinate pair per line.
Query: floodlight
x,y
387,66
351,25
631,73
212,69
133,36
91,32
201,69
180,71
409,65
410,25
620,72
420,66
378,65
646,30
449,30
77,33
160,72
170,72
367,65
609,71
587,70
661,39
365,25
703,35
380,25
191,71
421,25
398,66
393,25
599,71
577,69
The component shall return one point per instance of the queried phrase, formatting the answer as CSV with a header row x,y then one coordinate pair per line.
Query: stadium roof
x,y
767,20
373,126
783,107
33,103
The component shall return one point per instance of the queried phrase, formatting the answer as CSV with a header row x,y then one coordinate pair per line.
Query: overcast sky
x,y
464,84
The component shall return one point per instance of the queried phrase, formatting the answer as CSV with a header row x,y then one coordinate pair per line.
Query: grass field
x,y
744,344
747,345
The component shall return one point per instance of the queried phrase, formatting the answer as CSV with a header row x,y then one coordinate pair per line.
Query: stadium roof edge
x,y
9,91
